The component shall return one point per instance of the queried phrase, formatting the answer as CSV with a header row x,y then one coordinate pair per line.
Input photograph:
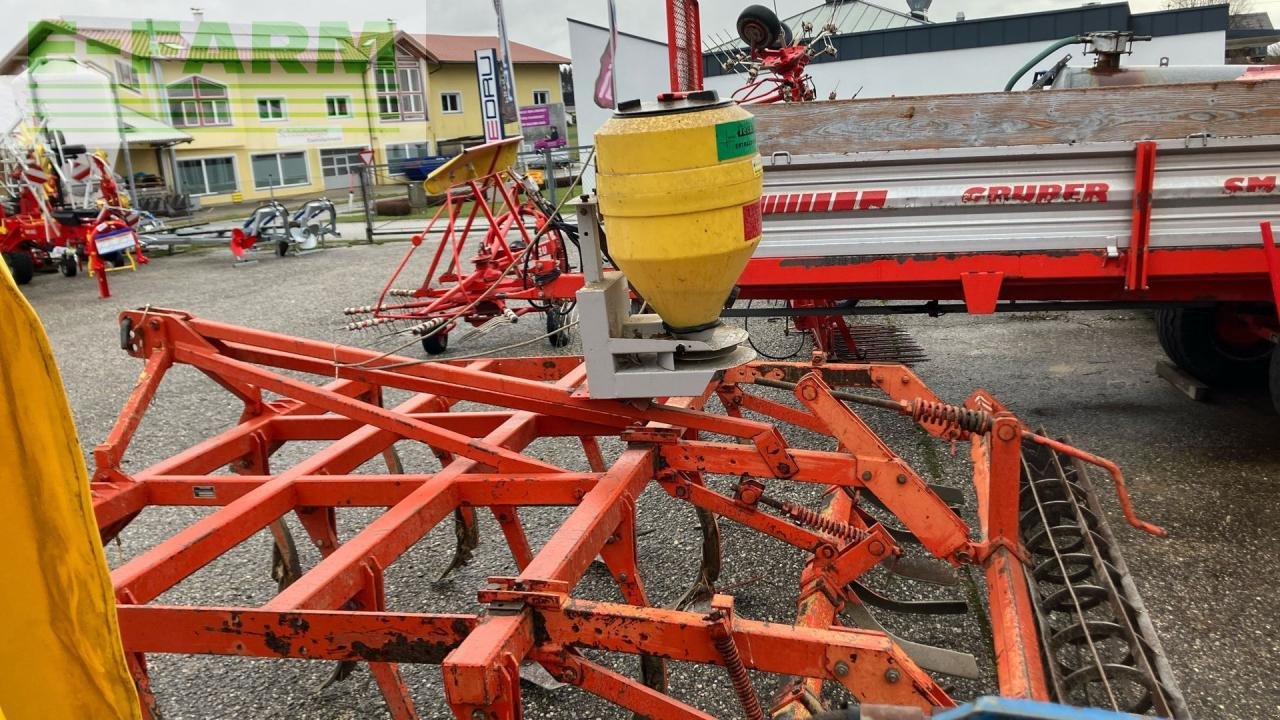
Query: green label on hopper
x,y
735,139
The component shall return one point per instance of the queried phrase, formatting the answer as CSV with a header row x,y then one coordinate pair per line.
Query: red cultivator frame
x,y
337,610
521,251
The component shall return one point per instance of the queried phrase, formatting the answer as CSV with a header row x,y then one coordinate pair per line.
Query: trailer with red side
x,y
1135,196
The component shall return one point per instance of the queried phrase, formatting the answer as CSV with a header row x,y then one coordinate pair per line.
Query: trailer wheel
x,y
436,344
67,265
759,27
21,265
559,336
1275,378
1205,342
282,248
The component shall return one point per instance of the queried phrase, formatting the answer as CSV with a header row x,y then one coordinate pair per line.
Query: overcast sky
x,y
536,22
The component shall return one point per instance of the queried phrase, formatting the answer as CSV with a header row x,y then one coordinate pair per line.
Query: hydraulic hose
x,y
1041,56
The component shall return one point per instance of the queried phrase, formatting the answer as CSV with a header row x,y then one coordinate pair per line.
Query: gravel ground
x,y
1206,471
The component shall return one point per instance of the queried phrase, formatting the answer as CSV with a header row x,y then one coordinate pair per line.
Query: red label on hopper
x,y
751,222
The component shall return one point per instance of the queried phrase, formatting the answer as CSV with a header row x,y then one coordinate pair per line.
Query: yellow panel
x,y
60,652
475,162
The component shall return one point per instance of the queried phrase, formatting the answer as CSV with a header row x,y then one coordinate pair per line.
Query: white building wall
x,y
977,69
640,71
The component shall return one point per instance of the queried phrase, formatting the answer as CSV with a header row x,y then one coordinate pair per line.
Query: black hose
x,y
750,341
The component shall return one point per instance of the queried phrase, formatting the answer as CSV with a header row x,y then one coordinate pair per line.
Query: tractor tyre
x,y
559,334
21,265
1200,341
436,344
67,265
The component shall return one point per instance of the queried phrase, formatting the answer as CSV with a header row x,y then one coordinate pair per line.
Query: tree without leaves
x,y
1234,7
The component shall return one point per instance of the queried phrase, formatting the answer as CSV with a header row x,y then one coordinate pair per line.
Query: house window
x,y
280,170
399,93
341,162
196,101
398,155
337,107
541,97
451,102
126,75
271,109
207,176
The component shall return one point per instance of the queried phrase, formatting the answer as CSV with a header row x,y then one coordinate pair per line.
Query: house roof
x,y
462,48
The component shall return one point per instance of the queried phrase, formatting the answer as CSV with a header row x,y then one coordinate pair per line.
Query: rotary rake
x,y
519,256
1064,620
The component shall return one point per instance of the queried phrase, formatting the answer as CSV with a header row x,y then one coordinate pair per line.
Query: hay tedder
x,y
62,210
520,246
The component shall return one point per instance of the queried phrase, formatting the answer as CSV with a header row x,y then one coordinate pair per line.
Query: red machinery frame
x,y
337,610
684,45
36,231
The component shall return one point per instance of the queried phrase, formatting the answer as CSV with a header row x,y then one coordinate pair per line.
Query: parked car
x,y
417,169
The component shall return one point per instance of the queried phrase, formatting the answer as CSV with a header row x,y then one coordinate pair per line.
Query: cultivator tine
x,y
1100,645
342,670
918,607
704,585
467,536
285,565
929,657
925,570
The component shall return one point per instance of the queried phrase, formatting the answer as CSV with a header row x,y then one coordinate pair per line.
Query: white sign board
x,y
114,241
490,97
304,136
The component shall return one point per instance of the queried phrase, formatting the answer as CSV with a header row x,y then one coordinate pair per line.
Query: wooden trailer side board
x,y
1127,114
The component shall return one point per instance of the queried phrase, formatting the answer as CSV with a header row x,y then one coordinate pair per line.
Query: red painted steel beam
x,y
337,577
302,634
769,647
1144,178
1014,634
813,466
371,490
1174,275
373,415
146,576
459,383
580,537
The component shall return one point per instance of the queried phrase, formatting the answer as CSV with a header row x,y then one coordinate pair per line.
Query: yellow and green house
x,y
229,112
454,93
